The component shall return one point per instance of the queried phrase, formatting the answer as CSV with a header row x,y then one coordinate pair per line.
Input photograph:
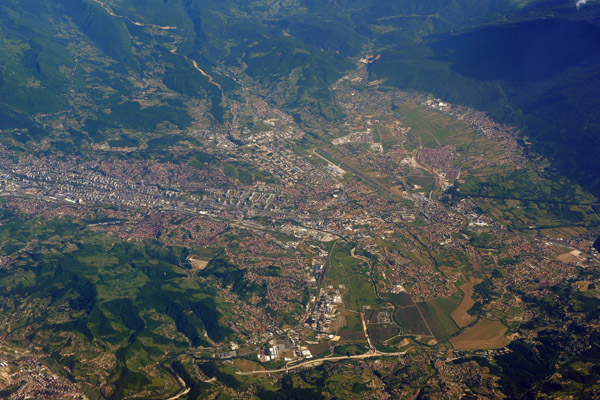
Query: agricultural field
x,y
353,273
382,333
411,320
485,334
436,312
384,136
459,314
400,299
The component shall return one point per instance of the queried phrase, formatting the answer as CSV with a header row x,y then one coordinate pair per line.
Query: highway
x,y
319,361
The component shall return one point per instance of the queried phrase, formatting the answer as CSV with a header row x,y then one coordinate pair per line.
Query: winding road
x,y
164,28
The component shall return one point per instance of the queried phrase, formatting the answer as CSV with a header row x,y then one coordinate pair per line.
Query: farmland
x,y
459,315
485,334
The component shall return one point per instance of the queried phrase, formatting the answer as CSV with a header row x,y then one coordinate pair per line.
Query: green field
x,y
353,322
354,274
411,321
380,333
400,299
437,313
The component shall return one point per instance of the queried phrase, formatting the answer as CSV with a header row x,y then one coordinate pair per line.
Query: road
x,y
364,324
164,28
183,393
210,78
318,361
112,14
